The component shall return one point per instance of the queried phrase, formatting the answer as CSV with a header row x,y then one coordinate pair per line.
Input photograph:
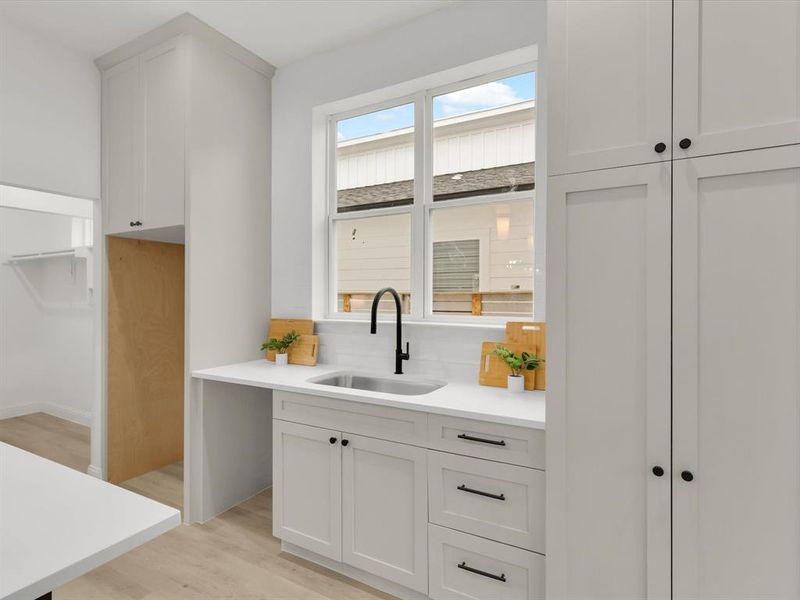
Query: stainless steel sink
x,y
387,385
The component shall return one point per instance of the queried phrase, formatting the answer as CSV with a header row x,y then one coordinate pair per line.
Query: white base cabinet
x,y
465,567
492,500
385,510
307,488
397,514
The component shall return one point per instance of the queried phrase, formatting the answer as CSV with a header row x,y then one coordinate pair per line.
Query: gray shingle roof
x,y
451,185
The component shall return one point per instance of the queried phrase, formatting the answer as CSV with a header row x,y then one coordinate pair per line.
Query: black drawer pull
x,y
464,436
501,577
464,488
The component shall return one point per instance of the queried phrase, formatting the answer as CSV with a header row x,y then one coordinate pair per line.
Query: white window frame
x,y
421,276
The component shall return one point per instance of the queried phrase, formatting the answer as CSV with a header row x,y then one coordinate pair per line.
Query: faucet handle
x,y
407,353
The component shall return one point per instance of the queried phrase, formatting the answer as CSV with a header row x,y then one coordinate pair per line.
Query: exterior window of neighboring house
x,y
456,266
433,195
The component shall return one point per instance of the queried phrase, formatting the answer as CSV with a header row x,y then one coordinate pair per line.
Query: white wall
x,y
49,115
49,140
443,40
46,346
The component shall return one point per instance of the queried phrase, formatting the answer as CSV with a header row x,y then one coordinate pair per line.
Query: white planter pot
x,y
516,383
281,359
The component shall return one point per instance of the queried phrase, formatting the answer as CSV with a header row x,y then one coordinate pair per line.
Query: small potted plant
x,y
281,347
517,364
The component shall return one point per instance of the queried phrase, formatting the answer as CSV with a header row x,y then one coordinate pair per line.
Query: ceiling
x,y
280,31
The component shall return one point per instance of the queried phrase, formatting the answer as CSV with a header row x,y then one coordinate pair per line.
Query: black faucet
x,y
399,355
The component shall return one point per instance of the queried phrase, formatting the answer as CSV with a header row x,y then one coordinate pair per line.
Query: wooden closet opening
x,y
145,356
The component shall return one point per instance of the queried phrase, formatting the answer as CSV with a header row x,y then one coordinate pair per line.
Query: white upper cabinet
x,y
144,110
736,403
626,89
609,81
164,95
737,75
608,513
121,145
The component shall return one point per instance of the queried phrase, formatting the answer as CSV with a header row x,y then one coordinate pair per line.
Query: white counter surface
x,y
469,400
57,523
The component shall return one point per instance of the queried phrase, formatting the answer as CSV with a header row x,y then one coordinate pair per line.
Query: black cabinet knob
x,y
133,224
139,223
685,143
687,475
660,147
333,440
658,471
345,442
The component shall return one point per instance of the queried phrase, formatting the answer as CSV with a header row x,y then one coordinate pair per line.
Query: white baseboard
x,y
95,471
62,412
379,583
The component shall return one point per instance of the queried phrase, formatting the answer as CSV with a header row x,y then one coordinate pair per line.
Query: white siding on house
x,y
505,232
377,164
483,149
375,251
482,140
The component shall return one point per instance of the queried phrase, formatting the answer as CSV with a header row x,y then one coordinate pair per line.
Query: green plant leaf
x,y
282,344
524,362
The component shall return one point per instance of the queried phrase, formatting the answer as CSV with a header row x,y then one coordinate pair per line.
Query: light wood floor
x,y
233,556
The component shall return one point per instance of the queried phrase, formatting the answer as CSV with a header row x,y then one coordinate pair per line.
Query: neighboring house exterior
x,y
485,249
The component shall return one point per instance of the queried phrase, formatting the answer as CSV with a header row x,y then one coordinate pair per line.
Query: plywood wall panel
x,y
145,356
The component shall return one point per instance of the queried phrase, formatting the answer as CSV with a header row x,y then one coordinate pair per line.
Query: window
x,y
456,266
433,195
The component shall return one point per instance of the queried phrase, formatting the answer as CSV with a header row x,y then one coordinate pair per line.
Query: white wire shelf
x,y
80,252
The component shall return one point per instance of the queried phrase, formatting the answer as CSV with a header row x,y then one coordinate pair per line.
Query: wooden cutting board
x,y
304,351
494,371
533,336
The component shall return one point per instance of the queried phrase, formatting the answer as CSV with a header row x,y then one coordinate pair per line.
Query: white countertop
x,y
469,400
57,523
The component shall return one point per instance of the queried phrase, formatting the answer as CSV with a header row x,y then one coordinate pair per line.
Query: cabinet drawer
x,y
386,423
463,566
500,502
503,443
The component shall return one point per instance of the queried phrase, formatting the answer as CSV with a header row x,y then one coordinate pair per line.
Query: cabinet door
x,y
608,514
164,89
385,517
122,121
737,75
307,500
736,398
609,79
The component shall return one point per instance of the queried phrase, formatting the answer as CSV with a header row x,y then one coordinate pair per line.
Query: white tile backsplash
x,y
444,351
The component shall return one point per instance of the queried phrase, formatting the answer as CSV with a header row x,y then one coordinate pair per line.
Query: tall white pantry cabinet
x,y
673,425
186,155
